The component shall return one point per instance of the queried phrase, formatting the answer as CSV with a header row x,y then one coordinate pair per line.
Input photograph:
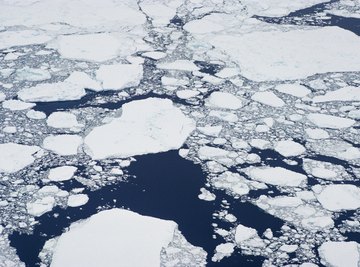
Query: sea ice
x,y
62,119
224,100
330,121
268,98
289,148
340,254
62,173
293,89
161,127
64,144
77,200
349,93
15,105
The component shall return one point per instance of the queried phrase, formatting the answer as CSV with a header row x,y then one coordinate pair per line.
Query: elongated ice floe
x,y
224,100
268,98
14,157
349,93
330,121
146,126
123,235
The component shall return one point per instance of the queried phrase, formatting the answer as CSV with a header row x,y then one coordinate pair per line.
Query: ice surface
x,y
62,119
276,176
224,100
119,76
289,148
14,157
349,93
77,200
64,144
22,37
337,197
268,98
16,105
161,127
330,121
340,254
293,89
62,173
181,64
122,234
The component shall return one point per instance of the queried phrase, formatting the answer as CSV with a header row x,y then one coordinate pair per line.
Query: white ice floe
x,y
228,73
77,200
338,197
233,183
119,76
325,170
161,127
35,115
222,251
289,148
224,100
154,55
32,74
22,37
64,144
292,54
62,173
14,157
210,130
48,92
277,8
330,121
122,234
276,176
206,195
41,206
349,93
180,64
62,119
187,94
160,12
15,105
2,96
335,148
224,115
84,80
268,98
247,236
317,133
170,81
340,254
293,89
217,154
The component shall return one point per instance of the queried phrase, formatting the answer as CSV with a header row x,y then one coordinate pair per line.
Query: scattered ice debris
x,y
63,144
224,100
14,157
330,121
289,148
161,127
62,119
338,197
340,254
122,234
119,76
62,173
77,200
293,89
268,98
276,176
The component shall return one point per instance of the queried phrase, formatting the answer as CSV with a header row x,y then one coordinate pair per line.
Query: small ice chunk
x,y
330,121
14,157
64,144
84,80
227,73
62,173
206,195
268,98
222,251
119,76
170,81
243,234
2,96
289,148
293,89
35,115
224,100
77,200
340,254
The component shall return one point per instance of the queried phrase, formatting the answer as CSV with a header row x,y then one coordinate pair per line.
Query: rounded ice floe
x,y
16,105
119,76
223,250
48,92
77,200
330,121
41,206
268,98
64,144
35,115
62,119
161,127
317,133
121,233
186,94
338,197
224,100
276,176
293,89
14,157
2,96
289,148
349,93
340,254
62,173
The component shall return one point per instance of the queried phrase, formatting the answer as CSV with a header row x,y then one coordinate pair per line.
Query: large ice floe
x,y
116,236
160,127
237,120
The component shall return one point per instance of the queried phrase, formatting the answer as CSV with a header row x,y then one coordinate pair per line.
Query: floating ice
x,y
22,37
181,64
62,119
161,127
330,121
62,173
224,100
289,148
77,200
14,157
349,93
16,105
276,176
268,98
340,254
293,89
317,133
186,94
64,144
119,76
337,197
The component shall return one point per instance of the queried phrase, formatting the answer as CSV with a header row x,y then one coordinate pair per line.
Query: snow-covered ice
x,y
63,144
77,200
340,254
293,89
224,100
268,98
62,173
161,127
62,119
289,148
330,121
349,93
